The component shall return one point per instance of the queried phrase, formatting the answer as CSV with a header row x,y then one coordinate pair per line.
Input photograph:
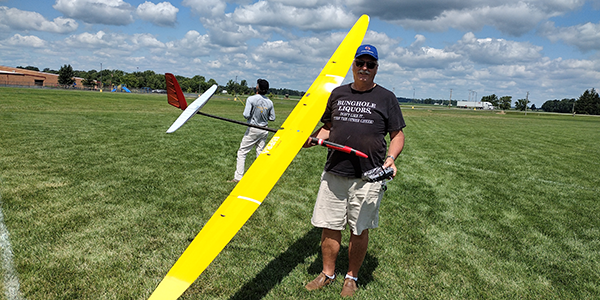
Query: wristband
x,y
391,157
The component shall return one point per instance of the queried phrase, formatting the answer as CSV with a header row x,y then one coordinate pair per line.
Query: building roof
x,y
11,73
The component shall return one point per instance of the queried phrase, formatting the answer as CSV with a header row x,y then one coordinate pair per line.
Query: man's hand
x,y
309,143
321,133
389,163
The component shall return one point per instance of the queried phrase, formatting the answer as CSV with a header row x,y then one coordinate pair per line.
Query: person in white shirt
x,y
259,111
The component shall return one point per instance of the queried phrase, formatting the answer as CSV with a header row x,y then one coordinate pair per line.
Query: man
x,y
358,115
258,111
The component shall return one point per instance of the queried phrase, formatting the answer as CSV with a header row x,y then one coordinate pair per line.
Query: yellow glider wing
x,y
264,172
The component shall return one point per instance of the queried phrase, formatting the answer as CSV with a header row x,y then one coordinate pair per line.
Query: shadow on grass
x,y
279,268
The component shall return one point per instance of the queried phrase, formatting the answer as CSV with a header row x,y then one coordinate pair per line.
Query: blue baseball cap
x,y
367,50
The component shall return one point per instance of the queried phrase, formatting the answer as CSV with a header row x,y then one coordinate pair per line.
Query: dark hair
x,y
263,86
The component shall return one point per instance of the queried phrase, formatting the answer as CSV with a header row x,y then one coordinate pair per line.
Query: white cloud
x,y
419,41
207,8
514,17
513,71
585,37
114,44
230,36
89,40
280,51
486,65
162,14
425,57
322,18
305,3
146,40
17,19
312,51
496,51
108,12
18,40
384,44
545,78
193,44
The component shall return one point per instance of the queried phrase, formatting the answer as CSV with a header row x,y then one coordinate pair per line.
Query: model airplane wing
x,y
192,109
264,172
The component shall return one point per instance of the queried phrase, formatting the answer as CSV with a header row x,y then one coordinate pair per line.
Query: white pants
x,y
252,137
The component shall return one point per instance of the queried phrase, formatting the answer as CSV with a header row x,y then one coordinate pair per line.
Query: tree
x,y
130,80
187,84
146,78
65,75
235,88
493,99
48,70
244,89
559,106
32,68
210,83
231,87
505,102
533,107
116,77
588,103
88,80
154,81
521,104
203,85
197,83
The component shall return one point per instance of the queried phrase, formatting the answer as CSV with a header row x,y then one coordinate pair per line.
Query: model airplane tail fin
x,y
174,94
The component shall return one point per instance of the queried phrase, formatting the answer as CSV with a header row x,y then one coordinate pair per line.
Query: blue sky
x,y
475,48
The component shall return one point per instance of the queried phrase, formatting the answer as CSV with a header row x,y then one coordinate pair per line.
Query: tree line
x,y
587,104
152,81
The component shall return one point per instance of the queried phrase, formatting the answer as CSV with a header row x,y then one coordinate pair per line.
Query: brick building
x,y
21,77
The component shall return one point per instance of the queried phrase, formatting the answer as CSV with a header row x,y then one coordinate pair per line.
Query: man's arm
x,y
395,148
272,113
248,109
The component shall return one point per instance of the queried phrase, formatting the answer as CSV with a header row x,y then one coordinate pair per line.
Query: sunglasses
x,y
370,64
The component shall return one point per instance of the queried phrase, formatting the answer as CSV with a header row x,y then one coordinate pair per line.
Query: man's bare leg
x,y
330,247
357,249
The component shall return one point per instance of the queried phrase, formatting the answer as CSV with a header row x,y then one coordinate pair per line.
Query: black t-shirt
x,y
360,120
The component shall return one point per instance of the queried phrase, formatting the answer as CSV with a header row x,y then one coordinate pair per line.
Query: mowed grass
x,y
100,202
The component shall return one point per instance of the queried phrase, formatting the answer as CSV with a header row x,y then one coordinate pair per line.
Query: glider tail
x,y
174,94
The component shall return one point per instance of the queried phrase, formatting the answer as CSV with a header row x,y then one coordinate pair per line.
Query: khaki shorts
x,y
343,200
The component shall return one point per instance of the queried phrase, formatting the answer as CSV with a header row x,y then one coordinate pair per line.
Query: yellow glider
x,y
264,172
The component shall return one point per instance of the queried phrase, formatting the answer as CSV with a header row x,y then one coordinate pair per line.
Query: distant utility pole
x,y
101,77
449,104
526,101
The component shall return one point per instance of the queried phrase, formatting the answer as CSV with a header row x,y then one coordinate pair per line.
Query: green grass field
x,y
99,203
